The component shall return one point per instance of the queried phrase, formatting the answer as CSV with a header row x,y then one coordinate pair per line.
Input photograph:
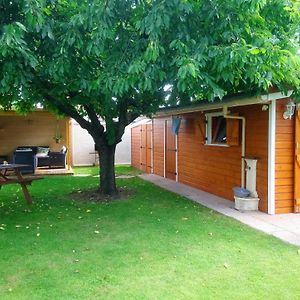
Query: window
x,y
222,131
216,129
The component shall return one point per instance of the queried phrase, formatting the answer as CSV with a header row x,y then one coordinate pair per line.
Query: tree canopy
x,y
118,59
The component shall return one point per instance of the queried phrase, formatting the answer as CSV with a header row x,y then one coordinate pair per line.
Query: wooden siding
x,y
257,132
284,178
149,148
146,148
136,147
170,151
216,169
141,147
158,146
35,129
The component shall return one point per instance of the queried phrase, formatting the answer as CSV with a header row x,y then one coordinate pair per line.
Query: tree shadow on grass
x,y
94,195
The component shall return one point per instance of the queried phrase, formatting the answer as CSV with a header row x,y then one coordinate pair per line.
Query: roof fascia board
x,y
276,96
210,106
231,103
14,113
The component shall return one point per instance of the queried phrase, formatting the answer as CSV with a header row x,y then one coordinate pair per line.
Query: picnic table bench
x,y
11,174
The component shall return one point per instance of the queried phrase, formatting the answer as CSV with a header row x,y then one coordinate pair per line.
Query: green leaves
x,y
21,26
105,53
256,50
152,52
186,70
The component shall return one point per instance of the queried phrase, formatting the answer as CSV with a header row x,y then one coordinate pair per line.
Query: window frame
x,y
208,129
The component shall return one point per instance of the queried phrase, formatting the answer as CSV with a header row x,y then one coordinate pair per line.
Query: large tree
x,y
118,59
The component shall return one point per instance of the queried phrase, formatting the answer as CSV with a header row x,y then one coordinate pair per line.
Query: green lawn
x,y
156,245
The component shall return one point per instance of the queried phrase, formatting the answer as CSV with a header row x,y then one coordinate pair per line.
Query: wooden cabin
x,y
39,128
214,138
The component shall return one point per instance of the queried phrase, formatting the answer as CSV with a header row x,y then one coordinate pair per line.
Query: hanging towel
x,y
176,121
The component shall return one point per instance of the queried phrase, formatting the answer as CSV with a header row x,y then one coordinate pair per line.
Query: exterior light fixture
x,y
289,111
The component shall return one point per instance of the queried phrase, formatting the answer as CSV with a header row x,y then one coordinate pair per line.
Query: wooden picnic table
x,y
11,174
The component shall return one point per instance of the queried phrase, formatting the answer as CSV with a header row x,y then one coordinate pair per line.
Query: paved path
x,y
284,226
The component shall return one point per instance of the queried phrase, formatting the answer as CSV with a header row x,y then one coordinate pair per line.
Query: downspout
x,y
226,116
271,157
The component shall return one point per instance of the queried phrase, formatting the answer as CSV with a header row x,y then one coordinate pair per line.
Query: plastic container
x,y
241,192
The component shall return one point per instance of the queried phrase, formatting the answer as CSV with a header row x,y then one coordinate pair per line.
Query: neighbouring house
x,y
205,146
84,153
34,135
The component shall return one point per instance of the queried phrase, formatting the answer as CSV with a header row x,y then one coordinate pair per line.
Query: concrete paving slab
x,y
284,226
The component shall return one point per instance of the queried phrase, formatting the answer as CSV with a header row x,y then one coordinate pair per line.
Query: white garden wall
x,y
84,149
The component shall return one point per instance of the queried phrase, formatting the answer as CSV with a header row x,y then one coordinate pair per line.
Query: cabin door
x,y
146,148
297,162
171,151
149,148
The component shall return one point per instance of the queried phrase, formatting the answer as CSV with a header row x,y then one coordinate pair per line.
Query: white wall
x,y
83,147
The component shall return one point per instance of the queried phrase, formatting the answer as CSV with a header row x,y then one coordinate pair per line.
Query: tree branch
x,y
123,120
94,118
68,110
131,116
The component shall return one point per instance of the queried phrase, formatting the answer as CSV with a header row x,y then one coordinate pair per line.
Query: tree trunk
x,y
107,170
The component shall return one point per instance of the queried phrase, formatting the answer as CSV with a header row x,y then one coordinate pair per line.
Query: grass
x,y
156,245
120,170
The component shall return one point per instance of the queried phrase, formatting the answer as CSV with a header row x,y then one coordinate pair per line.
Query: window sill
x,y
218,145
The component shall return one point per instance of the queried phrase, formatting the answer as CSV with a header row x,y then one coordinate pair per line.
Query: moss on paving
x,y
156,245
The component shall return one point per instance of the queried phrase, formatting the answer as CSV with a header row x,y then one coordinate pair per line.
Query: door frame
x,y
297,163
165,150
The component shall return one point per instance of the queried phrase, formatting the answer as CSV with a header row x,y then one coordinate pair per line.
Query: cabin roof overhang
x,y
220,104
12,112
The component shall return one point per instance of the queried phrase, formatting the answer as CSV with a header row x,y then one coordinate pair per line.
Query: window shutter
x,y
233,132
202,130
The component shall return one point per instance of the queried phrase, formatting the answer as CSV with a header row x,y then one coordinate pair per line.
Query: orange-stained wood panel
x,y
141,147
216,169
233,132
149,148
285,166
144,148
158,132
35,129
136,147
170,151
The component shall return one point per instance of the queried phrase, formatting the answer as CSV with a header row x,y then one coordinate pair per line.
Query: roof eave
x,y
234,102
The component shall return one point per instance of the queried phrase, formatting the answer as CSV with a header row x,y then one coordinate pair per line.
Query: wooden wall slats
x,y
144,148
285,182
284,167
170,151
216,169
158,146
35,129
285,210
284,189
149,148
233,132
136,147
141,149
